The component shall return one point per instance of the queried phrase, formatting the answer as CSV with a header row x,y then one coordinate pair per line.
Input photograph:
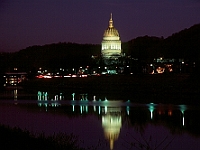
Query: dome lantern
x,y
111,22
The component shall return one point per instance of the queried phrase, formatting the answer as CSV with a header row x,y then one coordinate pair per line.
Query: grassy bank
x,y
15,138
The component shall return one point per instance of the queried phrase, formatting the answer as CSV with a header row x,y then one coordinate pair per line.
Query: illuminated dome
x,y
111,43
111,31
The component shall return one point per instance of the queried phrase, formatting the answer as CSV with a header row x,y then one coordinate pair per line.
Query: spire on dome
x,y
111,22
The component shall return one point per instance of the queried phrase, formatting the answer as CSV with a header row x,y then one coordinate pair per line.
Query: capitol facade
x,y
111,43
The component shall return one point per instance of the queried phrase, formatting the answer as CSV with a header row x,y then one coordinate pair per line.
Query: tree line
x,y
184,44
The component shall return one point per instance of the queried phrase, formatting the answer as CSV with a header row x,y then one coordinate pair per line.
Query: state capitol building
x,y
111,44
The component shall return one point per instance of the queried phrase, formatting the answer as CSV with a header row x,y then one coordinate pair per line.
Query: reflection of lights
x,y
127,109
60,96
86,108
73,107
169,112
99,109
81,109
151,109
54,104
111,123
73,94
94,98
45,96
105,109
182,109
56,97
15,94
39,95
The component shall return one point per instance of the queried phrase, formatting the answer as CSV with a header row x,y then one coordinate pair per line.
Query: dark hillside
x,y
143,47
54,56
184,44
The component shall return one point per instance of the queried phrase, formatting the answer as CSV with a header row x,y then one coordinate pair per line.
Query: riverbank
x,y
159,88
15,138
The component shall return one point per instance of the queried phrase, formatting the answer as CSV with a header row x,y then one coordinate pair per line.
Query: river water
x,y
103,123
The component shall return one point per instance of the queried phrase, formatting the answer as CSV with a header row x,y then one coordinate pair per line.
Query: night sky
x,y
26,23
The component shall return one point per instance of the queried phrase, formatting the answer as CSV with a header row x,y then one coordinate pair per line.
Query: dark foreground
x,y
15,138
157,88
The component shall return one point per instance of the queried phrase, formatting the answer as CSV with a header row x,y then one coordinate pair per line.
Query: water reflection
x,y
178,119
151,109
112,123
113,113
183,108
43,100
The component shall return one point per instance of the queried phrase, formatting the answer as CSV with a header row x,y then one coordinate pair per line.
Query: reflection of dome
x,y
111,44
111,123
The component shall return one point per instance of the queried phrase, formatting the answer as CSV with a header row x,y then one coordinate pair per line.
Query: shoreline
x,y
160,88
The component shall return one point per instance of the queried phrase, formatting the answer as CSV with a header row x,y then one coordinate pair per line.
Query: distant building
x,y
111,43
14,78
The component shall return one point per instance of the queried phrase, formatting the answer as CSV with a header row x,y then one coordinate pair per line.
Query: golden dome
x,y
111,31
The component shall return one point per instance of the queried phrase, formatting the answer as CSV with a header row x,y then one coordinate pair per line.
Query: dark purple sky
x,y
25,23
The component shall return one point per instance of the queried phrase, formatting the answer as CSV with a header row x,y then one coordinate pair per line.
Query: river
x,y
103,123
